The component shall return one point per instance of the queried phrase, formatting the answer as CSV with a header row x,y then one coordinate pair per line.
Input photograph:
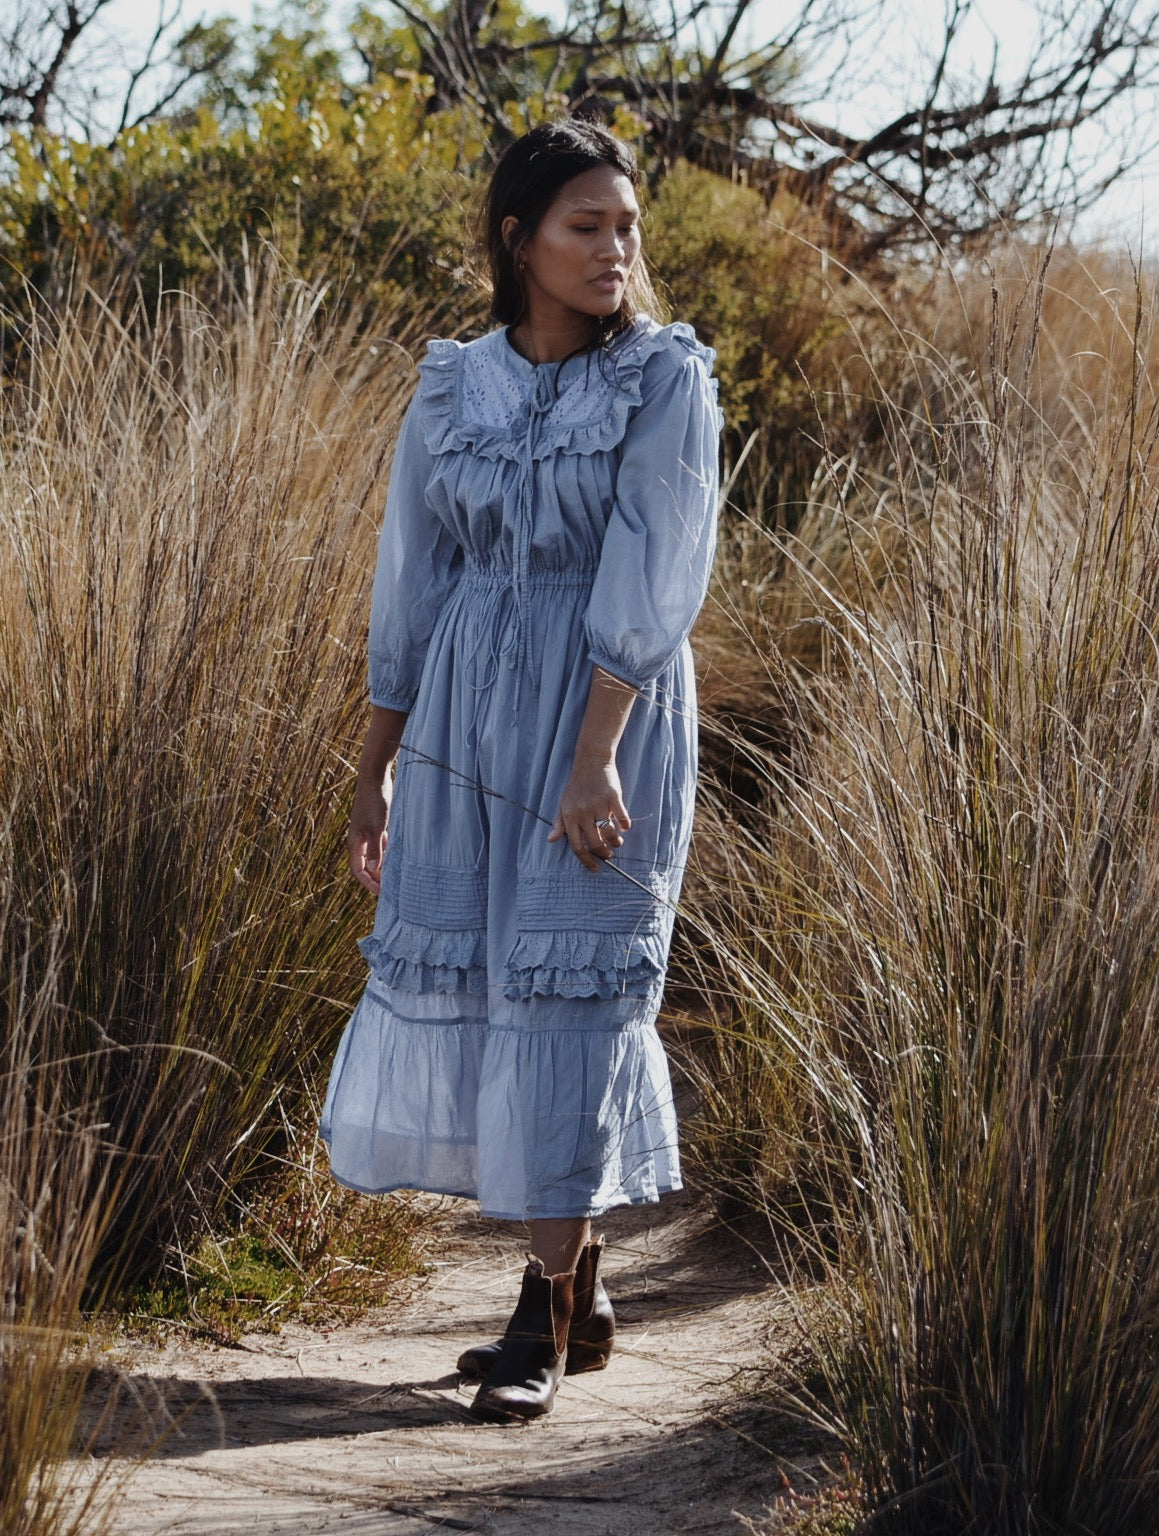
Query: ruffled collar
x,y
485,398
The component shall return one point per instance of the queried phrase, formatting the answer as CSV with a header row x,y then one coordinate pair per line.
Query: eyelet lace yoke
x,y
522,411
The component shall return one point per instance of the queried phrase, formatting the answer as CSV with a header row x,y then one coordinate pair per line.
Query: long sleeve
x,y
418,562
658,547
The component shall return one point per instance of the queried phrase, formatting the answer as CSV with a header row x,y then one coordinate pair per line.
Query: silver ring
x,y
608,821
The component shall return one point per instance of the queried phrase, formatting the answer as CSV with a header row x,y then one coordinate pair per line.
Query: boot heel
x,y
591,1337
582,1356
593,1330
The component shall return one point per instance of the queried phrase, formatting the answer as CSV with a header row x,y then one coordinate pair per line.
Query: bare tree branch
x,y
958,150
961,156
48,47
35,45
164,23
76,19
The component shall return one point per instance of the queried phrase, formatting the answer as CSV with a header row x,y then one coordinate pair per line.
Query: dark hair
x,y
524,184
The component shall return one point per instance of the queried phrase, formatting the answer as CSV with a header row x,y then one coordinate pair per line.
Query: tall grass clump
x,y
943,928
51,1152
188,505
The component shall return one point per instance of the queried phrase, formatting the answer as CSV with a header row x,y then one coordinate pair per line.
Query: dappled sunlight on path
x,y
365,1428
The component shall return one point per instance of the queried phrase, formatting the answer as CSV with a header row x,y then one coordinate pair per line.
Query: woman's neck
x,y
550,341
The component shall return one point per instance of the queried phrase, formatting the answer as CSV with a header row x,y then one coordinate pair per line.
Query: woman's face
x,y
580,258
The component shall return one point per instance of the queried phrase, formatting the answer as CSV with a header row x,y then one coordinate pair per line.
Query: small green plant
x,y
826,1505
305,1248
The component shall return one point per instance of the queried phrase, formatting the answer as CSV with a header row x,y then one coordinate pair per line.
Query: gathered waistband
x,y
501,576
497,605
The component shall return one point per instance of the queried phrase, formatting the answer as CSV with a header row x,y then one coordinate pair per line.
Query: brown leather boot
x,y
593,1324
530,1362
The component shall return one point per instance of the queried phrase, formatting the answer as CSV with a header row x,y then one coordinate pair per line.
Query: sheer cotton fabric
x,y
539,519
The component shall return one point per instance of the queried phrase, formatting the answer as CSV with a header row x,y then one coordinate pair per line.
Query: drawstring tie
x,y
538,406
486,648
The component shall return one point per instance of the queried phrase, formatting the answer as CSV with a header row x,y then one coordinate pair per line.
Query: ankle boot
x,y
593,1324
522,1379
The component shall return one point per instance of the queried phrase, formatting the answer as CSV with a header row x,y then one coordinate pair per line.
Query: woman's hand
x,y
592,814
366,840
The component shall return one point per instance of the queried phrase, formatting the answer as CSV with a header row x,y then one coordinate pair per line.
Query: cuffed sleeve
x,y
661,535
418,562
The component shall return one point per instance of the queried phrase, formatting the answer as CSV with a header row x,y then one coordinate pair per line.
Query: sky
x,y
890,52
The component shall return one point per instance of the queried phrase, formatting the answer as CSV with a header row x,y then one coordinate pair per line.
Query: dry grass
x,y
941,925
50,1150
188,508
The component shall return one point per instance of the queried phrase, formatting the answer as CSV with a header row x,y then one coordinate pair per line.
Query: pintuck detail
x,y
437,941
589,935
441,897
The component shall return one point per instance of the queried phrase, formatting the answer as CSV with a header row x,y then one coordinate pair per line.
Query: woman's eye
x,y
584,229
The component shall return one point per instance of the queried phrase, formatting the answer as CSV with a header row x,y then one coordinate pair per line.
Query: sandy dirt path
x,y
364,1429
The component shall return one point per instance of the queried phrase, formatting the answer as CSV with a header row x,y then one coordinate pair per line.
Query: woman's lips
x,y
608,280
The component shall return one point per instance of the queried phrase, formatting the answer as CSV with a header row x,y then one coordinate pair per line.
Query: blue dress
x,y
539,519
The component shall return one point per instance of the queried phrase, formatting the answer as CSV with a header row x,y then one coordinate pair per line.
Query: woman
x,y
547,543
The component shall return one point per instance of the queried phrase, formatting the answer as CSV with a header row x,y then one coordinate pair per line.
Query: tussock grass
x,y
50,1149
188,510
188,516
940,1078
922,903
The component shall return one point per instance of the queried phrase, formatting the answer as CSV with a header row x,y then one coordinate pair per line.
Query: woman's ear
x,y
507,229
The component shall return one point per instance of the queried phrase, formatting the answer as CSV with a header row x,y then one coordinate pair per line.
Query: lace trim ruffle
x,y
410,952
583,935
446,431
578,935
418,959
558,963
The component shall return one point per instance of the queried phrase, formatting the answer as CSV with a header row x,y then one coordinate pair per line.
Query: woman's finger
x,y
372,875
610,828
365,856
355,854
594,831
600,838
594,838
364,872
579,844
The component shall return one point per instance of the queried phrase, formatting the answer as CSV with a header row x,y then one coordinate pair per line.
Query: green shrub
x,y
356,189
763,285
